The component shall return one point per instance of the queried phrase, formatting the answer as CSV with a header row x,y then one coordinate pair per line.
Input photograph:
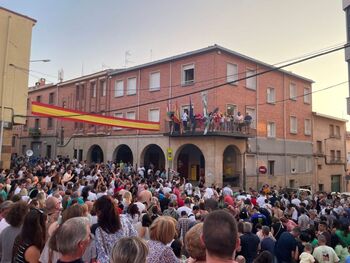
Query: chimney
x,y
42,82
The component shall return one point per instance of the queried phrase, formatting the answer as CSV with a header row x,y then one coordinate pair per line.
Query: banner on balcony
x,y
41,109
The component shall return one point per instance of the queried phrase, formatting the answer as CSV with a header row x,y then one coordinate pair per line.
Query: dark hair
x,y
220,242
264,257
17,213
176,246
107,214
146,221
133,210
33,229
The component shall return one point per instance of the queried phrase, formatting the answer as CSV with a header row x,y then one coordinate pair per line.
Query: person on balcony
x,y
185,119
247,122
239,120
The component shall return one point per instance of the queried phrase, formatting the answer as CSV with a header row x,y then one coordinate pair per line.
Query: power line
x,y
218,85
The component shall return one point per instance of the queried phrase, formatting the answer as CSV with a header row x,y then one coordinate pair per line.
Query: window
x,y
331,130
271,95
77,92
271,167
319,147
232,73
118,115
320,187
332,155
93,89
231,110
338,156
153,115
37,124
271,130
292,183
38,98
103,85
319,166
13,143
24,147
308,164
251,81
49,123
82,91
307,95
154,81
131,115
293,125
131,88
25,126
307,127
51,98
348,158
80,157
119,88
75,154
188,74
292,91
337,131
252,113
48,151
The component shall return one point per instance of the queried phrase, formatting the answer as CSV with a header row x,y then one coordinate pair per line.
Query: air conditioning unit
x,y
293,171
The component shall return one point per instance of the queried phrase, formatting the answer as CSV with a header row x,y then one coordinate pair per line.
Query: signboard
x,y
170,154
262,169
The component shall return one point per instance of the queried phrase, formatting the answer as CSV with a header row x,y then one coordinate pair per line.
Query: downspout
x,y
284,132
138,116
3,85
256,124
170,163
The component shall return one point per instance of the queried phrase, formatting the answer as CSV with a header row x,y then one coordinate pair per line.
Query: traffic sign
x,y
262,169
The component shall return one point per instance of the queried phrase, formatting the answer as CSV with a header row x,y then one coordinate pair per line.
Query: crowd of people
x,y
68,211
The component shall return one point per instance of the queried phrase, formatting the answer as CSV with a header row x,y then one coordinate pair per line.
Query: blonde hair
x,y
129,250
127,196
163,229
194,246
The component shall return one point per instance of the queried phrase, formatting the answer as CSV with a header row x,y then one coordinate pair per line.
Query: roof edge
x,y
328,116
18,14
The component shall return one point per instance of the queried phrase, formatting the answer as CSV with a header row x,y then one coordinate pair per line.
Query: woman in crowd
x,y
31,241
133,214
143,227
111,227
194,245
162,232
15,219
129,250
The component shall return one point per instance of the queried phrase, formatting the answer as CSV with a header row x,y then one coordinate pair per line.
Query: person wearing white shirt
x,y
227,191
208,193
261,200
92,196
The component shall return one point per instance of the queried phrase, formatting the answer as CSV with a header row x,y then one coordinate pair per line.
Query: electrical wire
x,y
328,51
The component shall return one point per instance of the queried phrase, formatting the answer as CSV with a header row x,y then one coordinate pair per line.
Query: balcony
x,y
175,130
34,132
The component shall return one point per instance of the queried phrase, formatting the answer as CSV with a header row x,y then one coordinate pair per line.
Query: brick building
x,y
279,102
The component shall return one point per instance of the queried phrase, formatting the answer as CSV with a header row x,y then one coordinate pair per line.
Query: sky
x,y
85,36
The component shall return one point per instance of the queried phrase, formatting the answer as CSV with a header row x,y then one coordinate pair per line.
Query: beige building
x,y
329,138
15,43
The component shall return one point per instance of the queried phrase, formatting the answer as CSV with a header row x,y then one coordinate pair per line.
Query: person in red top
x,y
229,200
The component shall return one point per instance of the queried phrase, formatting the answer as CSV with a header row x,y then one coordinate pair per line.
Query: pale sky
x,y
86,35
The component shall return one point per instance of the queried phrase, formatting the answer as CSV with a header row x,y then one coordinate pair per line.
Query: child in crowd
x,y
306,256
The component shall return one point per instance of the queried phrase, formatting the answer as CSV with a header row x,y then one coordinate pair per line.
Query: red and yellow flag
x,y
47,110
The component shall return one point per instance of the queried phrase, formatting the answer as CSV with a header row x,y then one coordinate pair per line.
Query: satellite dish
x,y
29,152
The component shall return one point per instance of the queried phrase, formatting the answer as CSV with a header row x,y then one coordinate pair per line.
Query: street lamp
x,y
40,60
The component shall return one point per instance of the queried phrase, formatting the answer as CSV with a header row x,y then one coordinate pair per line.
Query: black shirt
x,y
249,244
74,261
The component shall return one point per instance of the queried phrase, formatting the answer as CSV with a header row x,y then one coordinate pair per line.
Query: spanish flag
x,y
47,110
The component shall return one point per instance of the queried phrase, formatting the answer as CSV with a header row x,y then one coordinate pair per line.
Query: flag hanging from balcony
x,y
47,110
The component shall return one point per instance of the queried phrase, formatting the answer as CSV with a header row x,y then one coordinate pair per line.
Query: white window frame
x,y
118,115
232,73
94,91
307,95
271,95
183,69
118,92
153,87
293,124
131,115
294,164
130,91
250,82
293,91
271,133
149,114
307,127
103,88
253,123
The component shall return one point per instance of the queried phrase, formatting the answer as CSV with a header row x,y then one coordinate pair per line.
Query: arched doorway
x,y
232,167
153,155
190,162
95,154
123,153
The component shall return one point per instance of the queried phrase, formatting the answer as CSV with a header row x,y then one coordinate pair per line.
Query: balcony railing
x,y
200,129
34,132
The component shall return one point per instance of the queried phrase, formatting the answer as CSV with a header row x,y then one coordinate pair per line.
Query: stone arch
x,y
232,166
152,156
123,153
190,162
95,154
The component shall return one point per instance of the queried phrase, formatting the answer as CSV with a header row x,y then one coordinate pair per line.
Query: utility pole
x,y
346,8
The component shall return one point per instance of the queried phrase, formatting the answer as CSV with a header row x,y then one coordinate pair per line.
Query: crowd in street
x,y
64,211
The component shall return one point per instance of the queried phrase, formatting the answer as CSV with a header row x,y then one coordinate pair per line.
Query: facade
x,y
15,43
330,163
279,138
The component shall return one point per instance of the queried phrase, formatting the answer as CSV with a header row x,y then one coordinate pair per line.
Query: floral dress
x,y
160,253
105,241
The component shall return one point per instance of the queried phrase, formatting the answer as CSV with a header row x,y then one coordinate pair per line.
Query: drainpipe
x,y
256,124
284,132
